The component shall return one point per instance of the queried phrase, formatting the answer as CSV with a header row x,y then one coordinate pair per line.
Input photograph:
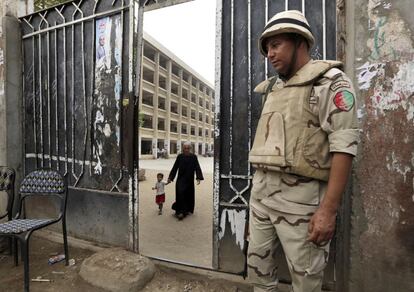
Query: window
x,y
173,127
174,107
193,114
184,111
147,122
162,82
146,147
161,124
149,52
185,93
192,130
163,62
175,70
147,98
148,75
184,129
161,103
186,76
173,147
174,88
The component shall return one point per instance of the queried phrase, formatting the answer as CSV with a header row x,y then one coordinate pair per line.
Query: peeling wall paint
x,y
383,203
389,93
236,219
397,166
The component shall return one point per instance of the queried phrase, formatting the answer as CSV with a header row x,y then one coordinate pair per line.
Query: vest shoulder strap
x,y
269,87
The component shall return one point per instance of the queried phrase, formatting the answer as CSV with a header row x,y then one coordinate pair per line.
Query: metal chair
x,y
43,182
7,176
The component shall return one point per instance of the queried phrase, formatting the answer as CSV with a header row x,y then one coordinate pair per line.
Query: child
x,y
160,196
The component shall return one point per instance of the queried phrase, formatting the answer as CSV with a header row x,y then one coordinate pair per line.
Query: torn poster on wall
x,y
107,95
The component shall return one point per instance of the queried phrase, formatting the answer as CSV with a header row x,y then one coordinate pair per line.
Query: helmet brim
x,y
281,29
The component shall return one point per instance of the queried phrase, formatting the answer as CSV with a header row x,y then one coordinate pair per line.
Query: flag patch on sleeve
x,y
344,100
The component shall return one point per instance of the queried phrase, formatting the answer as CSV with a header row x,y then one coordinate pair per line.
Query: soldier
x,y
305,141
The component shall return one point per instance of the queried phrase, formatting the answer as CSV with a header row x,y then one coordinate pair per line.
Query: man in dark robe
x,y
187,165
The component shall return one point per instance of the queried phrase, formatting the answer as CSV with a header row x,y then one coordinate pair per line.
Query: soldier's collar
x,y
312,71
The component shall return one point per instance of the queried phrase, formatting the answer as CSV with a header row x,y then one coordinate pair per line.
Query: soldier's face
x,y
279,52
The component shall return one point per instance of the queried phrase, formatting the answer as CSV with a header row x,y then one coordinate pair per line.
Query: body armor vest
x,y
288,136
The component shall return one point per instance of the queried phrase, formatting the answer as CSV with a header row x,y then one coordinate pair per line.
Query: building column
x,y
168,106
139,146
197,117
155,106
190,92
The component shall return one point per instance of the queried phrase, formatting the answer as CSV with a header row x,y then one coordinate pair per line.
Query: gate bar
x,y
90,17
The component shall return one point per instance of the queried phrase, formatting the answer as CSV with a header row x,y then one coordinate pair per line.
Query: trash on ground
x,y
40,279
56,259
72,262
57,273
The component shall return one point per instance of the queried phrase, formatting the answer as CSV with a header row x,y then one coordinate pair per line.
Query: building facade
x,y
176,105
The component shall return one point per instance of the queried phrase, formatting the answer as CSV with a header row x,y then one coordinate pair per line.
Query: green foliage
x,y
140,119
43,4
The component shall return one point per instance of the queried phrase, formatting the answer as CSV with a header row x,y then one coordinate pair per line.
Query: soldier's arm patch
x,y
344,100
339,84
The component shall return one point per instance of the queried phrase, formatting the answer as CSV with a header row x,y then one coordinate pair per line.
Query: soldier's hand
x,y
322,226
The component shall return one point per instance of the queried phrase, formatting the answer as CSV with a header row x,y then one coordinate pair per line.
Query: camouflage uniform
x,y
303,121
283,202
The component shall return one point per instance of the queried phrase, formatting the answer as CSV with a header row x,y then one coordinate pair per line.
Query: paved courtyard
x,y
163,236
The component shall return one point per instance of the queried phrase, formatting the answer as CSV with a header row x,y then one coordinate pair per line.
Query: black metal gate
x,y
81,73
241,67
80,114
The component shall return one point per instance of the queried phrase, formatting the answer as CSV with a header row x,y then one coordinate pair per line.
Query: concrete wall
x,y
96,216
380,56
10,84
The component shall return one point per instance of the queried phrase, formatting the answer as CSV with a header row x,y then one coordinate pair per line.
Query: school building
x,y
176,105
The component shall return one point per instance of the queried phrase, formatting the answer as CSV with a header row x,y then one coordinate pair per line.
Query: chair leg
x,y
65,242
25,257
10,246
16,252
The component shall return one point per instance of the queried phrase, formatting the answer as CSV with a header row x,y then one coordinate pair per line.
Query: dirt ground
x,y
67,279
163,236
63,278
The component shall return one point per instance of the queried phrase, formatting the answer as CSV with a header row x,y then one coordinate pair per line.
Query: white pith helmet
x,y
290,21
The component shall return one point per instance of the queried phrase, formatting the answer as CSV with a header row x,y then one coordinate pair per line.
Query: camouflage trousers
x,y
270,230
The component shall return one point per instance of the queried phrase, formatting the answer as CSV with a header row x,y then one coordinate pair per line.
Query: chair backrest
x,y
7,176
44,182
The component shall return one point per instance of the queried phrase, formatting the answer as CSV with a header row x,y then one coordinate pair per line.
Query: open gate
x,y
81,74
